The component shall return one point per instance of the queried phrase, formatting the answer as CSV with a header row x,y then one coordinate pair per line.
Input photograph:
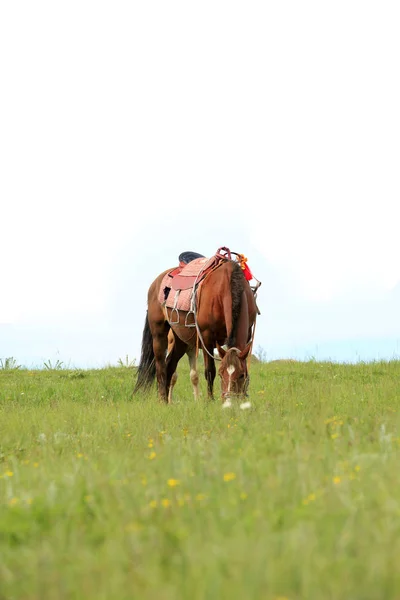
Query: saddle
x,y
179,287
194,267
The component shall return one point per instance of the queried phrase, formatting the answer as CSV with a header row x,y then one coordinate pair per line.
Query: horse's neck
x,y
242,325
242,331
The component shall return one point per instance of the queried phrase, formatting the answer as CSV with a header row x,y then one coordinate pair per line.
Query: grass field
x,y
107,497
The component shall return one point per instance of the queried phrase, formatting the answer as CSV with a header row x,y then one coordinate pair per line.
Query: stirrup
x,y
174,311
190,312
192,307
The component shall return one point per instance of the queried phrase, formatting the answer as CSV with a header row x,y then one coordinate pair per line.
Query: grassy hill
x,y
106,496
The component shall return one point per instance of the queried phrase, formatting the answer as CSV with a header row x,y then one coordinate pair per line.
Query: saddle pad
x,y
184,297
190,270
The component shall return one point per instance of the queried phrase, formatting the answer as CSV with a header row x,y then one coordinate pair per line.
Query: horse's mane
x,y
237,287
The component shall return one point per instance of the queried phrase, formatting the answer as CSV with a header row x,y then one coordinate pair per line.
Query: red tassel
x,y
246,272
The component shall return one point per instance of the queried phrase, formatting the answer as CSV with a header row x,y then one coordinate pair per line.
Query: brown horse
x,y
225,314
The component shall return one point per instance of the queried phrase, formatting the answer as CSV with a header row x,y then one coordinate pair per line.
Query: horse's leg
x,y
171,386
171,342
171,346
160,345
178,350
209,365
194,376
210,373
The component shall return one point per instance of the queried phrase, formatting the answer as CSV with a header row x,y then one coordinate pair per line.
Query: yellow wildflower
x,y
336,480
201,497
229,476
9,473
173,482
330,420
165,502
310,498
152,455
13,501
153,504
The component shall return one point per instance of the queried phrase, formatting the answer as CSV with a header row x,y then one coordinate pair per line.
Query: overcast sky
x,y
131,131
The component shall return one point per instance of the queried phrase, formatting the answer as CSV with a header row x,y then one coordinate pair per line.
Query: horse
x,y
223,313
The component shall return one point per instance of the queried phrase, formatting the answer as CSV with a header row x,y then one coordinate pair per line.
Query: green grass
x,y
297,498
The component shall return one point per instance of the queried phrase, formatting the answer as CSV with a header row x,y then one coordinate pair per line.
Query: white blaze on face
x,y
230,371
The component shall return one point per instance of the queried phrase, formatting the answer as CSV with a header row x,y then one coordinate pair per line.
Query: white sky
x,y
130,131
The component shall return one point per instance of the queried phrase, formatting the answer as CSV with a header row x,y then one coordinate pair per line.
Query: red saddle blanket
x,y
177,286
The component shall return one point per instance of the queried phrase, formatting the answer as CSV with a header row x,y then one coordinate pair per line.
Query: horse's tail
x,y
147,365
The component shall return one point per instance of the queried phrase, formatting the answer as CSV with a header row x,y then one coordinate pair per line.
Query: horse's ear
x,y
221,351
244,354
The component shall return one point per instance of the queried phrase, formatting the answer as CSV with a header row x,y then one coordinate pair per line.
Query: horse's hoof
x,y
227,404
245,405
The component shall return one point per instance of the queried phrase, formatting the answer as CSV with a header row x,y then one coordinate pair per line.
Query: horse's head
x,y
233,371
